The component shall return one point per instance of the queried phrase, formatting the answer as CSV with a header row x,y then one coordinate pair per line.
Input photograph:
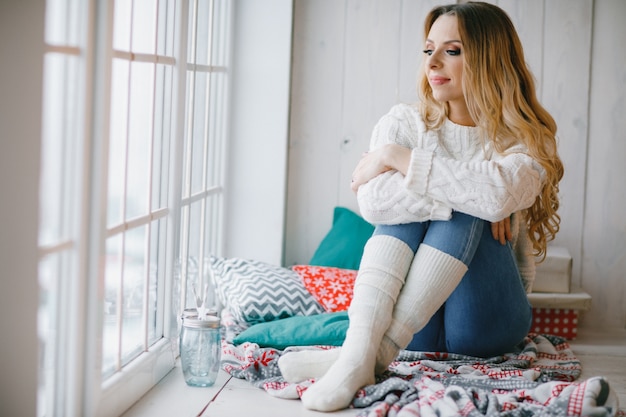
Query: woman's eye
x,y
451,52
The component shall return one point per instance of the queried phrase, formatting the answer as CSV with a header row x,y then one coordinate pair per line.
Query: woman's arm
x,y
385,158
378,181
491,190
378,178
385,200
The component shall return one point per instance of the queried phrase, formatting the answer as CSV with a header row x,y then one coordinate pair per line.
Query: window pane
x,y
61,148
144,26
186,180
139,138
212,226
112,305
195,220
58,14
162,128
47,322
219,51
203,32
191,30
166,24
122,25
120,74
158,241
133,296
194,257
52,149
198,132
217,132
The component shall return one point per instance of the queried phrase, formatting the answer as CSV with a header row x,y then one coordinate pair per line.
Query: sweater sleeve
x,y
523,251
385,199
488,189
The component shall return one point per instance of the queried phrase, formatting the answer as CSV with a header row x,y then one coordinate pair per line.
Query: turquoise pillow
x,y
326,329
343,246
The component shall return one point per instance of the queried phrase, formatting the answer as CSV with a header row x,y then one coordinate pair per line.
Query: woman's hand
x,y
381,160
501,230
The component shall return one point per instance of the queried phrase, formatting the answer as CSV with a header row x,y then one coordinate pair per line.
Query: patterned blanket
x,y
541,380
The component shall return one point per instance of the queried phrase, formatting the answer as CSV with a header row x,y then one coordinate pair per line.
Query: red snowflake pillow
x,y
330,286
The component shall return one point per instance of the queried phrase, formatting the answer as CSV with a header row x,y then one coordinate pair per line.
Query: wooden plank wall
x,y
603,233
354,59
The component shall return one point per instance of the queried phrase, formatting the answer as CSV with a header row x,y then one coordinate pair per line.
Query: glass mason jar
x,y
200,350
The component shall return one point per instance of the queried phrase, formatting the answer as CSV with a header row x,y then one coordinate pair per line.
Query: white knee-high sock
x,y
432,278
303,365
383,269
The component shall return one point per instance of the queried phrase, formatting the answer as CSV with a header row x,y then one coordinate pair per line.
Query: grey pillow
x,y
257,292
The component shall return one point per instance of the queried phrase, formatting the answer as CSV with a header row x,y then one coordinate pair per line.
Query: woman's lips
x,y
438,80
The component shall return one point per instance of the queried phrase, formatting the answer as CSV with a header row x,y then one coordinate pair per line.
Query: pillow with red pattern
x,y
330,286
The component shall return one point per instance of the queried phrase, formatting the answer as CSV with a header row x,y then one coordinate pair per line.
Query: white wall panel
x,y
604,223
565,75
315,125
258,136
370,79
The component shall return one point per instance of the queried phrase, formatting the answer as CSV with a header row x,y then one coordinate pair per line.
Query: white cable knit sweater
x,y
452,169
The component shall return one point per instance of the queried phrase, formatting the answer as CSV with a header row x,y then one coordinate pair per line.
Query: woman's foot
x,y
307,364
336,389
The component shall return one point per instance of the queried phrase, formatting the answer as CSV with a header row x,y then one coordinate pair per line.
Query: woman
x,y
463,188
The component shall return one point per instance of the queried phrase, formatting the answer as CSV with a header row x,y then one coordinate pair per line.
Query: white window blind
x,y
134,143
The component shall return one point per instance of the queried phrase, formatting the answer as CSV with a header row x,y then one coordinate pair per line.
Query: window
x,y
132,190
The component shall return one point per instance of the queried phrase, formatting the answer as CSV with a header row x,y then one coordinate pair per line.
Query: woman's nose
x,y
433,61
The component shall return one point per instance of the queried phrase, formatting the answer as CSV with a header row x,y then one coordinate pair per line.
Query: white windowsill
x,y
173,397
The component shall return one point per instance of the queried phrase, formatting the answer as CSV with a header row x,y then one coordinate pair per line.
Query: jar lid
x,y
193,313
208,322
189,312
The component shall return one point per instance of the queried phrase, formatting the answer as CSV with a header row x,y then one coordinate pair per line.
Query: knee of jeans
x,y
458,237
473,346
488,343
410,233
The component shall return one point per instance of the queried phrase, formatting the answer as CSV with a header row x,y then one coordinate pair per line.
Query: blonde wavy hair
x,y
499,90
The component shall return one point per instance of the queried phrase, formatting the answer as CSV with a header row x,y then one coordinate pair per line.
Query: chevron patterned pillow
x,y
257,292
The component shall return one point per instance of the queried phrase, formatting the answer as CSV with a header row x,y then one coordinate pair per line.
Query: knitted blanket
x,y
541,380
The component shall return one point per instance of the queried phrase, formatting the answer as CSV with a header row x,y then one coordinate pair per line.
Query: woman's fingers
x,y
501,231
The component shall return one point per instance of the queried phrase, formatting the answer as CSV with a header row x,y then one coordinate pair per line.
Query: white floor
x,y
601,354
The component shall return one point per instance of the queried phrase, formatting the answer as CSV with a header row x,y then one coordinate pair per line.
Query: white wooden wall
x,y
257,169
354,59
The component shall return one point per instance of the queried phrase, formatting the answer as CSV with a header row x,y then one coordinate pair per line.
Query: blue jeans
x,y
488,314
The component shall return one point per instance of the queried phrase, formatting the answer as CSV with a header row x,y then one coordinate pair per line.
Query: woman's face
x,y
443,63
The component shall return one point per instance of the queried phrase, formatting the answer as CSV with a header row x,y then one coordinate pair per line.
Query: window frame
x,y
83,392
